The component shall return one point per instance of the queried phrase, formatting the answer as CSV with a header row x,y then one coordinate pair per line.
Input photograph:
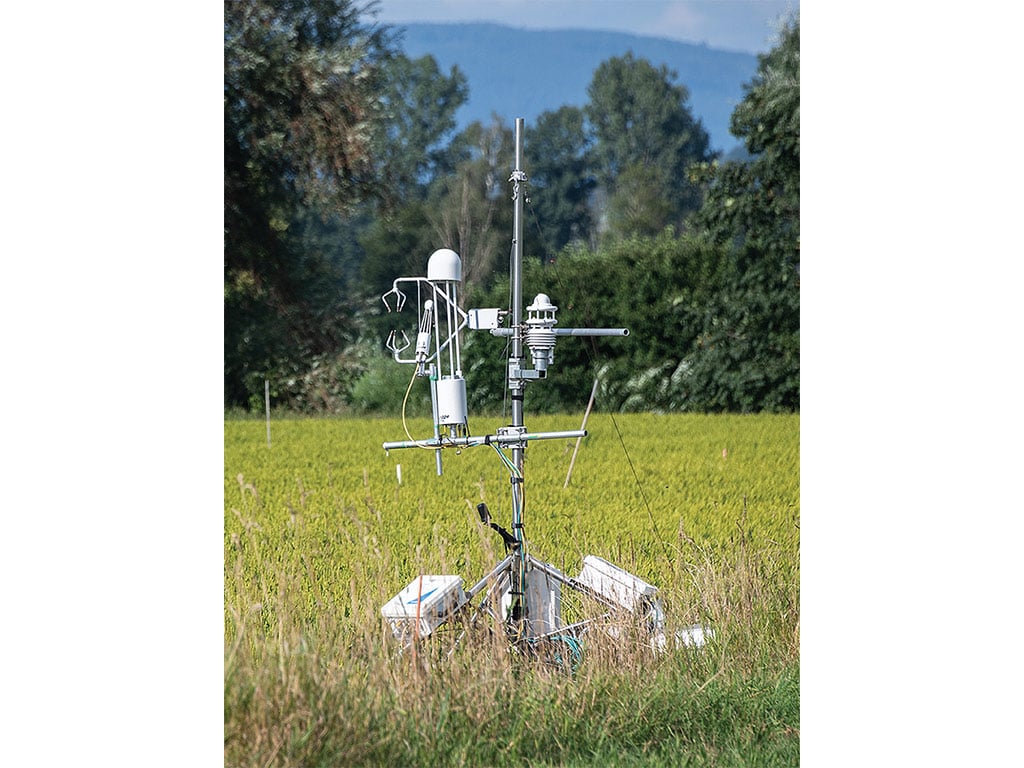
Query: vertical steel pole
x,y
517,383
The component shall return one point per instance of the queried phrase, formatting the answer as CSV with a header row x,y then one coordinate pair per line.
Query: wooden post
x,y
266,395
593,394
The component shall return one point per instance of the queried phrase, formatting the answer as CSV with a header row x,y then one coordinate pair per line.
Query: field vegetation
x,y
319,533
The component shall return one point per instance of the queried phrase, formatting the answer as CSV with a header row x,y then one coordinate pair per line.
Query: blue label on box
x,y
417,599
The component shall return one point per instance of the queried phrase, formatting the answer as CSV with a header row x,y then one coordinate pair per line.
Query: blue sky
x,y
734,25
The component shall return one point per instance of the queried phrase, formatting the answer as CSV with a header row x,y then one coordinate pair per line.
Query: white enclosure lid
x,y
615,583
426,596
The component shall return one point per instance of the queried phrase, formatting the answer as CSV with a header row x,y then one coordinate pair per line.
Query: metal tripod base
x,y
561,609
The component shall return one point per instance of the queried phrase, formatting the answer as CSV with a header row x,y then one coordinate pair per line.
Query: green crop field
x,y
322,527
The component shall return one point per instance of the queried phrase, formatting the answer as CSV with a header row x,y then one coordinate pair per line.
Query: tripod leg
x,y
498,583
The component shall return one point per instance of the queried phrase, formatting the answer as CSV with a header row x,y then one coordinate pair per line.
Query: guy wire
x,y
591,350
643,495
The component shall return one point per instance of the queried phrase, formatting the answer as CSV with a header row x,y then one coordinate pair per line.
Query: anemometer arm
x,y
570,331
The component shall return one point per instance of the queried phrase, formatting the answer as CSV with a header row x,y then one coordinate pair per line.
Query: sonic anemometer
x,y
543,612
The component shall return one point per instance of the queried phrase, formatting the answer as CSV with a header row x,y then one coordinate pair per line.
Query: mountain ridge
x,y
517,72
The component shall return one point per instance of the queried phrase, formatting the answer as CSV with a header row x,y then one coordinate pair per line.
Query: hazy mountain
x,y
521,72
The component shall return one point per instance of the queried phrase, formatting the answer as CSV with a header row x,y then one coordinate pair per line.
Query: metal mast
x,y
517,385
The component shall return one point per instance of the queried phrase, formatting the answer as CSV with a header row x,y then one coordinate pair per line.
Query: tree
x,y
558,166
395,245
748,353
642,123
302,133
654,286
420,107
469,211
639,206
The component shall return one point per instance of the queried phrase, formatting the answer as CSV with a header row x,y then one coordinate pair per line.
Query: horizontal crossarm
x,y
472,440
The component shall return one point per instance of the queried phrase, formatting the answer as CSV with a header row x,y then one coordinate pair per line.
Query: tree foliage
x,y
302,120
302,124
645,133
561,180
640,205
420,104
468,210
656,287
342,174
748,354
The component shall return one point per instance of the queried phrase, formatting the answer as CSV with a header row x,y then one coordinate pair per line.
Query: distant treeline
x,y
343,171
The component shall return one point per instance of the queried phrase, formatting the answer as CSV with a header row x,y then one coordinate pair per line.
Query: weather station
x,y
540,611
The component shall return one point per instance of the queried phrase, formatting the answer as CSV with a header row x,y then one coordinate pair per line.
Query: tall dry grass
x,y
319,536
315,678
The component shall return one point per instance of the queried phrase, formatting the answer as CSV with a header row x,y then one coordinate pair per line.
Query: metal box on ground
x,y
544,597
431,598
616,584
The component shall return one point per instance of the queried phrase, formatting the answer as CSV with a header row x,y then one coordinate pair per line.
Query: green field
x,y
319,534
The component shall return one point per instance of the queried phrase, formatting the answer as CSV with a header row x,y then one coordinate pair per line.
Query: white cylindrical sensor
x,y
451,402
